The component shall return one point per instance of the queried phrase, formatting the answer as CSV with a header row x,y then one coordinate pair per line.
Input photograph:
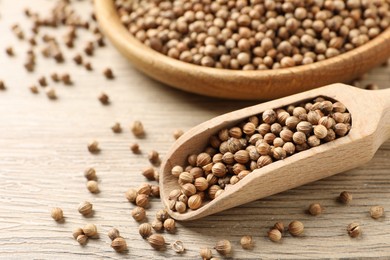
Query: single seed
x,y
65,78
34,89
57,214
157,225
142,200
116,128
9,51
154,157
90,230
104,99
177,133
93,147
138,213
113,233
77,232
354,230
145,230
157,241
345,197
90,174
82,239
315,209
138,128
78,59
55,77
223,247
92,186
85,208
274,235
279,226
119,244
88,66
42,81
376,212
296,228
134,147
108,73
246,242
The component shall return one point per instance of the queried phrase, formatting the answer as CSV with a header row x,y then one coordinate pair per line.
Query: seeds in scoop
x,y
178,246
376,212
113,233
195,201
296,228
90,174
246,242
93,186
78,59
108,73
345,197
315,209
104,99
145,230
354,230
138,128
138,213
223,247
119,244
116,128
274,235
57,214
55,77
131,195
85,208
148,172
90,230
157,241
65,78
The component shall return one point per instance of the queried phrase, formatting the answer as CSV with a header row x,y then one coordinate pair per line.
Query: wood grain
x,y
43,154
235,84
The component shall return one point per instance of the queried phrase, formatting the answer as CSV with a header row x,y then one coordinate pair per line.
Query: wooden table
x,y
43,154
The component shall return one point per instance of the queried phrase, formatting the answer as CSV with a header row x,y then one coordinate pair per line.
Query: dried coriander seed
x,y
157,241
78,59
170,225
33,89
142,200
90,230
376,212
138,213
113,233
82,239
93,146
315,209
138,128
134,147
108,73
119,244
274,235
154,157
116,127
90,174
104,99
296,228
157,225
177,133
51,93
223,247
162,215
354,230
65,78
42,81
145,230
279,226
93,186
246,242
77,232
345,197
205,253
148,172
85,208
57,214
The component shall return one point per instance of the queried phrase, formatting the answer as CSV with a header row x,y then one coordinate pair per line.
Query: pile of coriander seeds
x,y
255,34
254,143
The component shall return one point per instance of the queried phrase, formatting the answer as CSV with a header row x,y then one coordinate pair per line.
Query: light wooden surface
x,y
370,116
235,84
43,153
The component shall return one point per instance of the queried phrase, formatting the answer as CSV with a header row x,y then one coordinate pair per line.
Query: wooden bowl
x,y
237,84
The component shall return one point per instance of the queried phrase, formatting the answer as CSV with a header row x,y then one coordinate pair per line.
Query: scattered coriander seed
x,y
113,233
144,188
90,174
88,66
315,209
142,200
34,89
138,213
78,59
42,81
119,244
162,215
170,225
223,247
296,228
93,146
157,241
51,93
279,226
157,225
108,73
246,242
54,76
77,232
85,208
104,99
274,235
82,239
90,230
145,230
2,85
138,128
10,51
154,157
177,133
205,253
116,128
57,214
65,78
376,212
131,195
345,197
371,87
93,186
178,246
148,172
134,147
354,230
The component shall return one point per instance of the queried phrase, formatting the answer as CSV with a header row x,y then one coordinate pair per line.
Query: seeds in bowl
x,y
253,35
276,134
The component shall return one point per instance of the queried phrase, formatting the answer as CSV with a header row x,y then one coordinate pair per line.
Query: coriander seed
x,y
138,213
113,233
223,247
90,174
108,73
157,225
90,230
177,133
315,209
162,215
51,93
354,230
157,241
104,99
145,230
93,186
345,197
142,200
296,228
138,129
170,225
134,147
57,214
33,89
82,239
116,128
85,208
205,253
279,226
93,146
76,232
274,235
246,242
154,157
131,195
376,212
119,244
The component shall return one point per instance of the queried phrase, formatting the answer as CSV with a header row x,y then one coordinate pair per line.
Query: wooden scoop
x,y
370,114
